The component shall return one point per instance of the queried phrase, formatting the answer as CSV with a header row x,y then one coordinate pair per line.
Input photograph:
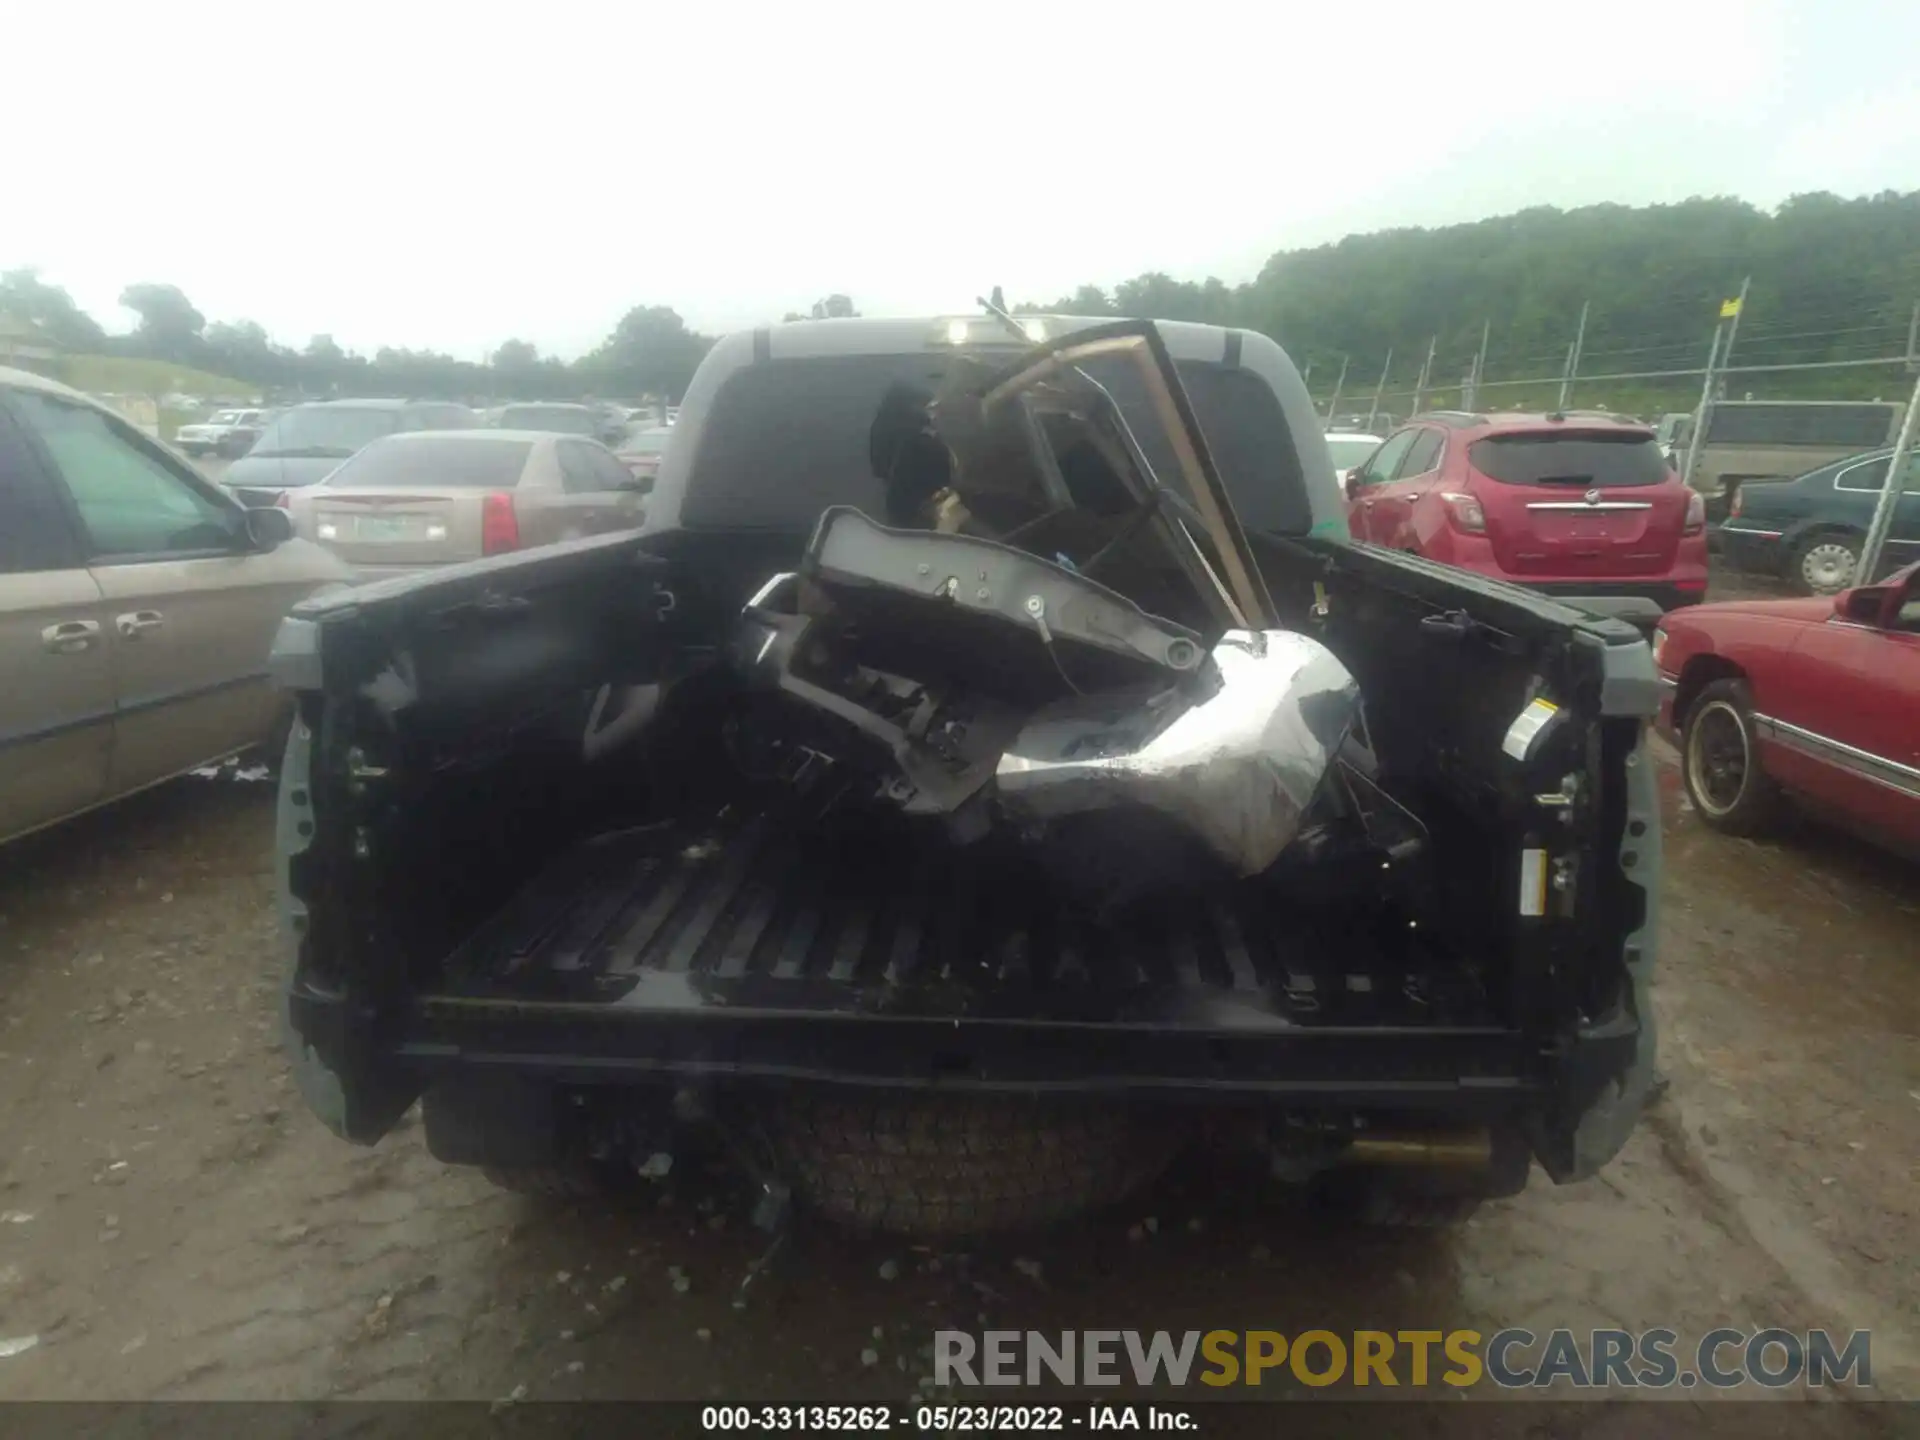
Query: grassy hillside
x,y
125,375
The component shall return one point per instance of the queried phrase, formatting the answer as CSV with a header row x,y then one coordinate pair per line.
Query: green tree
x,y
651,352
24,296
170,328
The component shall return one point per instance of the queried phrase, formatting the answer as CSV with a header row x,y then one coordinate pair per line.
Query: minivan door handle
x,y
134,622
70,637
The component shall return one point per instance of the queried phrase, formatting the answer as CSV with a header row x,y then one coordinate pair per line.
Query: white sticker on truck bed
x,y
1526,728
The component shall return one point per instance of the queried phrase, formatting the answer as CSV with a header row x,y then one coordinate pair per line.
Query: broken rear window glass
x,y
787,438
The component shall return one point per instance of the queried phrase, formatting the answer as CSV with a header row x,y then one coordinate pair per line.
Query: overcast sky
x,y
449,176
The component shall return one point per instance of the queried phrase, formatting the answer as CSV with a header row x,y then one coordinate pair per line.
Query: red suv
x,y
1579,506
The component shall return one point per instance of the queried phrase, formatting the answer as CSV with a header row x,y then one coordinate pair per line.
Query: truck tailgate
x,y
855,957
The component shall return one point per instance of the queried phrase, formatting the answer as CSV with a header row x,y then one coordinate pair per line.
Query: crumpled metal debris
x,y
1237,769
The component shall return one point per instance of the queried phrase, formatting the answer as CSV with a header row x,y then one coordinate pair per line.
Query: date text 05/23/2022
x,y
944,1418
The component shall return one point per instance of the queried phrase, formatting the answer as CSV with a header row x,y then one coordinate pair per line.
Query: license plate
x,y
383,527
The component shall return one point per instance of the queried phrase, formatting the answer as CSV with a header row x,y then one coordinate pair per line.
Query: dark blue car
x,y
1810,529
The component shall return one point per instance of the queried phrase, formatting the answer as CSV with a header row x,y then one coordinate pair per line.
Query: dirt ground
x,y
173,1224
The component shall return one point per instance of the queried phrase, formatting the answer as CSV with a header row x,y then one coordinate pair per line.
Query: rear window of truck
x,y
785,439
1576,460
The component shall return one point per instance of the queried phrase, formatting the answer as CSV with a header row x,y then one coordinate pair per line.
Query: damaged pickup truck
x,y
991,771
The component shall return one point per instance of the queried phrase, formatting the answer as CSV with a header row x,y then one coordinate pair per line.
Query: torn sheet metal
x,y
1238,769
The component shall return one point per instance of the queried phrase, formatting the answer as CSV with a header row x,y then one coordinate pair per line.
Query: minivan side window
x,y
34,534
130,500
1387,458
1422,457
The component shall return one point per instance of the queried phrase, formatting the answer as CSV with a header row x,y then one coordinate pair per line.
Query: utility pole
x,y
1573,356
1333,405
1471,400
1898,466
1379,390
1426,370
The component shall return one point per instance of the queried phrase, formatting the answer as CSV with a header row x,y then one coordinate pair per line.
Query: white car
x,y
1350,450
229,433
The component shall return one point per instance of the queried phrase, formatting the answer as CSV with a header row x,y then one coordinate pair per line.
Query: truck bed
x,y
848,954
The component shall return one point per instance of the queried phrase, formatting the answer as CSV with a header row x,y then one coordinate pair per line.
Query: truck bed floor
x,y
760,917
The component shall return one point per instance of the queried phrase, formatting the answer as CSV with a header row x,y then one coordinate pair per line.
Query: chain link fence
x,y
1751,345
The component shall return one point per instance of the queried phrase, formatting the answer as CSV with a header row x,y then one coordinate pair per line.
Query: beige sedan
x,y
137,606
433,497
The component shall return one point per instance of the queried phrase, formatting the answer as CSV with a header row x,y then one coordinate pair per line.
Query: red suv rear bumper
x,y
1683,583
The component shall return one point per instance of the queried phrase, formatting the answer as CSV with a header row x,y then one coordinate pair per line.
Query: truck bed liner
x,y
763,917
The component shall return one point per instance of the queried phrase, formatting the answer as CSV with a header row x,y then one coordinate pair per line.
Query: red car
x,y
1815,699
1580,506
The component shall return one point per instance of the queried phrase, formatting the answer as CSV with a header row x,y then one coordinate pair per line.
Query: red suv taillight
x,y
1465,512
1697,511
283,500
499,526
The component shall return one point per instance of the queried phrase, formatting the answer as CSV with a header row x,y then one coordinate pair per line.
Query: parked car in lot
x,y
416,500
1817,700
1810,529
1758,440
301,446
225,432
561,418
1350,450
1584,508
137,605
641,450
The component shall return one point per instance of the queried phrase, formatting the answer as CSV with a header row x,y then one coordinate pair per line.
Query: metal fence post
x,y
1733,329
1573,356
1471,399
1897,466
1728,325
1339,384
1700,415
1426,369
1913,338
1379,390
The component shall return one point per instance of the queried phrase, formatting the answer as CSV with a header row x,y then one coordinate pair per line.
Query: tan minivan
x,y
137,606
